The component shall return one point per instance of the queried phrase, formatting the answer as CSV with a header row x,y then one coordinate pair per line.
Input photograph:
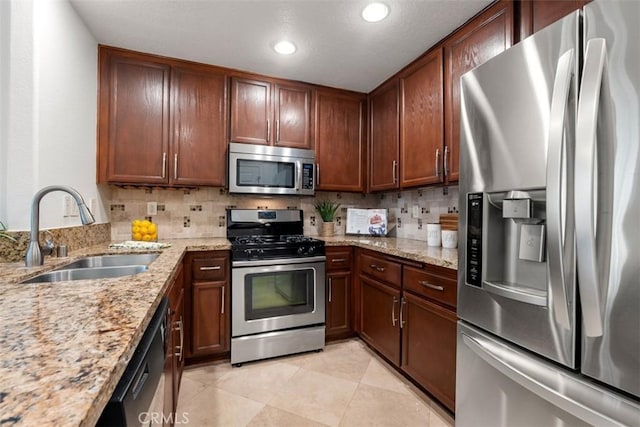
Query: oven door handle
x,y
278,261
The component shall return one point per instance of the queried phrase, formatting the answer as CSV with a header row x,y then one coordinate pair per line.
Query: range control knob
x,y
311,250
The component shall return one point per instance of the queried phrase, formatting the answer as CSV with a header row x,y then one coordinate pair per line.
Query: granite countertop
x,y
65,345
415,250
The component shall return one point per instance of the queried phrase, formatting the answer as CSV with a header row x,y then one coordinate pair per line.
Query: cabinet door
x,y
478,41
429,347
383,138
178,345
422,122
250,111
292,116
339,305
547,12
210,318
198,127
339,134
380,308
134,134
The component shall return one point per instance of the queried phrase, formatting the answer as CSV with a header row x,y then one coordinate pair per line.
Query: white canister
x,y
450,239
433,235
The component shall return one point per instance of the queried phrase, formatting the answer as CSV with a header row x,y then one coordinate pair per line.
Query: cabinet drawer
x,y
209,269
432,282
339,258
381,268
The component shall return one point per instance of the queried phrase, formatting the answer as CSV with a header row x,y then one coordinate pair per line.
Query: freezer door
x,y
608,194
500,385
517,248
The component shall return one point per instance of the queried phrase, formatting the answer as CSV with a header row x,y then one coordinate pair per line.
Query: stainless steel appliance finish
x,y
504,385
277,285
260,169
549,252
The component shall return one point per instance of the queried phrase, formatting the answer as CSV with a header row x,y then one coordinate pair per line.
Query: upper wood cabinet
x,y
160,121
535,14
269,113
422,122
199,108
487,35
340,141
133,131
383,137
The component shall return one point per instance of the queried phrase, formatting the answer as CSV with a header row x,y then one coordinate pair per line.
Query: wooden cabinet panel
x,y
250,111
429,347
478,41
339,258
380,308
211,268
339,313
340,141
381,268
210,324
270,114
292,116
549,11
433,282
383,138
199,127
422,122
134,110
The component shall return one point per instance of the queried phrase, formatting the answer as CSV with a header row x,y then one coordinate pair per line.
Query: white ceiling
x,y
335,46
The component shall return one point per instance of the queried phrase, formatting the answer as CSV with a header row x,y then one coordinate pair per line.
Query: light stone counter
x,y
65,345
415,250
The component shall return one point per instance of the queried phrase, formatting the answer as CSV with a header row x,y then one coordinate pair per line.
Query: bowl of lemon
x,y
144,230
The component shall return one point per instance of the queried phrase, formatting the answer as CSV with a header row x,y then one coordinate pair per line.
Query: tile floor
x,y
345,385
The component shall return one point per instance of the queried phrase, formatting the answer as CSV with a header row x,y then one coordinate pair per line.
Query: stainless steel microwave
x,y
259,169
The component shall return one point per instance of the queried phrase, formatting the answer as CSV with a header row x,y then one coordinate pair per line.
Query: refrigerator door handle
x,y
592,189
560,236
579,399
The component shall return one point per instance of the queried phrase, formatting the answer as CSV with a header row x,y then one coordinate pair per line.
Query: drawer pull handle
x,y
394,320
429,285
217,267
338,260
377,268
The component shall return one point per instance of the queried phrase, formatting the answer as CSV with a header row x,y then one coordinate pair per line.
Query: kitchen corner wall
x,y
201,212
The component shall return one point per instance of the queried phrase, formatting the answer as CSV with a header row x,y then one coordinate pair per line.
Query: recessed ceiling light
x,y
375,12
284,47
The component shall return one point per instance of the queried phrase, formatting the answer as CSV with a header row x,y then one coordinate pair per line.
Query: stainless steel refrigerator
x,y
549,255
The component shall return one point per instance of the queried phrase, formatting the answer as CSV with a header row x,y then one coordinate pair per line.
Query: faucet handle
x,y
49,244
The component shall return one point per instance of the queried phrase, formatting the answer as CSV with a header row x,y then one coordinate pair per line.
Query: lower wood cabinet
x,y
380,307
339,293
429,346
207,301
174,346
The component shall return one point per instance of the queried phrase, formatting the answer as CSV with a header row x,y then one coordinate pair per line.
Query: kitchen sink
x,y
111,261
87,273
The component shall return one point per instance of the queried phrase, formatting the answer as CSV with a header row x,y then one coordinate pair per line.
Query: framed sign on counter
x,y
370,222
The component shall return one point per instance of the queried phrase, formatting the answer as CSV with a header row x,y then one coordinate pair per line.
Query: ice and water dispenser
x,y
506,244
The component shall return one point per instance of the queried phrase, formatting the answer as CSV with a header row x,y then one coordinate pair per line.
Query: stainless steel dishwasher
x,y
129,405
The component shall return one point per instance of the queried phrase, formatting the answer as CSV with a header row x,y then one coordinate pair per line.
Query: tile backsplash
x,y
189,213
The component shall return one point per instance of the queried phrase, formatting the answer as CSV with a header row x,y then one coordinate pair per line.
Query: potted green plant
x,y
327,210
5,235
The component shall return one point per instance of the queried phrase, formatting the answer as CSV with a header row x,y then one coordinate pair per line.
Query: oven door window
x,y
268,174
280,293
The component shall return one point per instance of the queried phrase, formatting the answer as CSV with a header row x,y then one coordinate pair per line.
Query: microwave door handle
x,y
560,221
593,247
298,176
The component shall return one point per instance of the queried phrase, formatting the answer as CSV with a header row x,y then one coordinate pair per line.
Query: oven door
x,y
271,295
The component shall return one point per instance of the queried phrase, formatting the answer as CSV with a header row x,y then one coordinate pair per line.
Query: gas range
x,y
269,234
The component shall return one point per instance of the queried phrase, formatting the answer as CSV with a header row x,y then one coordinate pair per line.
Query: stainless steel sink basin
x,y
87,273
111,261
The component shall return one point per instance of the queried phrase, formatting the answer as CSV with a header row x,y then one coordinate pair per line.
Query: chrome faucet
x,y
34,253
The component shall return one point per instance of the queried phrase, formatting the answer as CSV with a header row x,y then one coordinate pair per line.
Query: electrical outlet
x,y
152,208
415,211
70,208
93,205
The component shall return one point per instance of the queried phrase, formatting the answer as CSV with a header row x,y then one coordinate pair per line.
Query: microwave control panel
x,y
307,176
474,239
